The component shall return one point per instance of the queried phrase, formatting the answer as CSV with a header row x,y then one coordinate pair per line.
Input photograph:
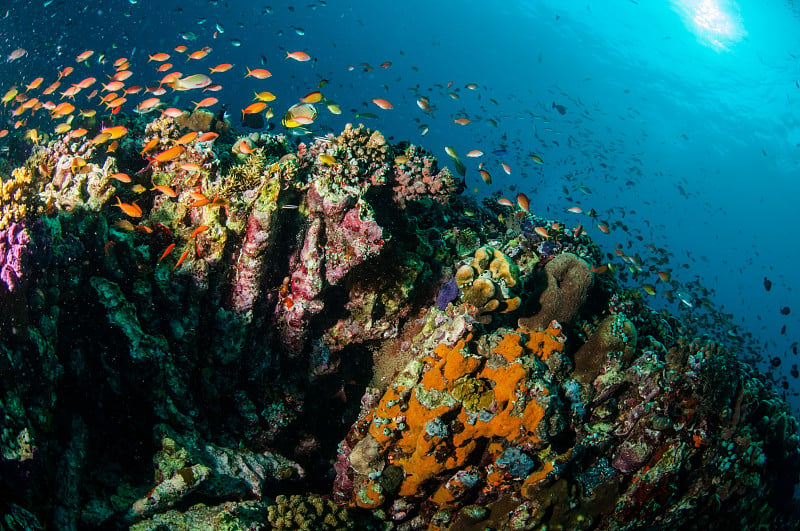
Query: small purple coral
x,y
15,255
447,294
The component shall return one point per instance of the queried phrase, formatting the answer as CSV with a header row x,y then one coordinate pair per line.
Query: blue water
x,y
680,124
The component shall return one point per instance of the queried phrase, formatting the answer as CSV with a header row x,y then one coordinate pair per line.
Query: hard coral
x,y
564,284
490,282
416,176
16,196
311,513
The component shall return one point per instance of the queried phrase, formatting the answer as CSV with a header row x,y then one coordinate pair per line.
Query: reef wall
x,y
205,330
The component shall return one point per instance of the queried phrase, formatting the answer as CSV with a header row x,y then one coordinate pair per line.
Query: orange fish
x,y
198,230
158,57
254,108
185,139
164,189
148,105
197,194
116,103
182,258
121,177
312,97
84,56
65,72
245,147
51,88
170,154
199,54
115,132
63,109
78,133
298,56
172,112
169,249
383,104
86,83
506,168
180,49
505,202
603,228
258,73
122,75
213,88
108,97
173,77
523,202
111,86
133,210
475,153
485,176
423,104
462,121
224,67
164,67
205,102
575,210
71,92
200,202
133,89
153,142
119,62
542,232
35,83
208,137
664,275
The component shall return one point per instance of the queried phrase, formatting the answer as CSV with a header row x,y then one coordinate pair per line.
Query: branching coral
x,y
417,176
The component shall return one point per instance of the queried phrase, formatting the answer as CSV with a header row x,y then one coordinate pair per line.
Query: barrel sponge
x,y
481,292
567,281
464,276
502,267
483,256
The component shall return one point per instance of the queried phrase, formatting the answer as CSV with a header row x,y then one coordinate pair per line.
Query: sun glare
x,y
716,23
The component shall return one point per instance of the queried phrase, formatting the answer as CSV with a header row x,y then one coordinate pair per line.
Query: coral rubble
x,y
263,334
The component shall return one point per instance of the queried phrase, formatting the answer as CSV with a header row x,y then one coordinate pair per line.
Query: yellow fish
x,y
10,95
264,96
327,160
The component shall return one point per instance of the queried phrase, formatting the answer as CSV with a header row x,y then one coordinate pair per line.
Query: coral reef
x,y
193,355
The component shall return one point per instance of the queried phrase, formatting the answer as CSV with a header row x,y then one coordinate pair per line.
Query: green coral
x,y
312,512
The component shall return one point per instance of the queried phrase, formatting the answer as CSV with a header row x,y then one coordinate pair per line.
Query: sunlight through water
x,y
715,23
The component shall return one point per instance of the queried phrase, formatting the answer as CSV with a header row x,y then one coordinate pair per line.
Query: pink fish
x,y
16,54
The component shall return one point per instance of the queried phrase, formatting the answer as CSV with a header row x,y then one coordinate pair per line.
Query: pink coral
x,y
416,175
